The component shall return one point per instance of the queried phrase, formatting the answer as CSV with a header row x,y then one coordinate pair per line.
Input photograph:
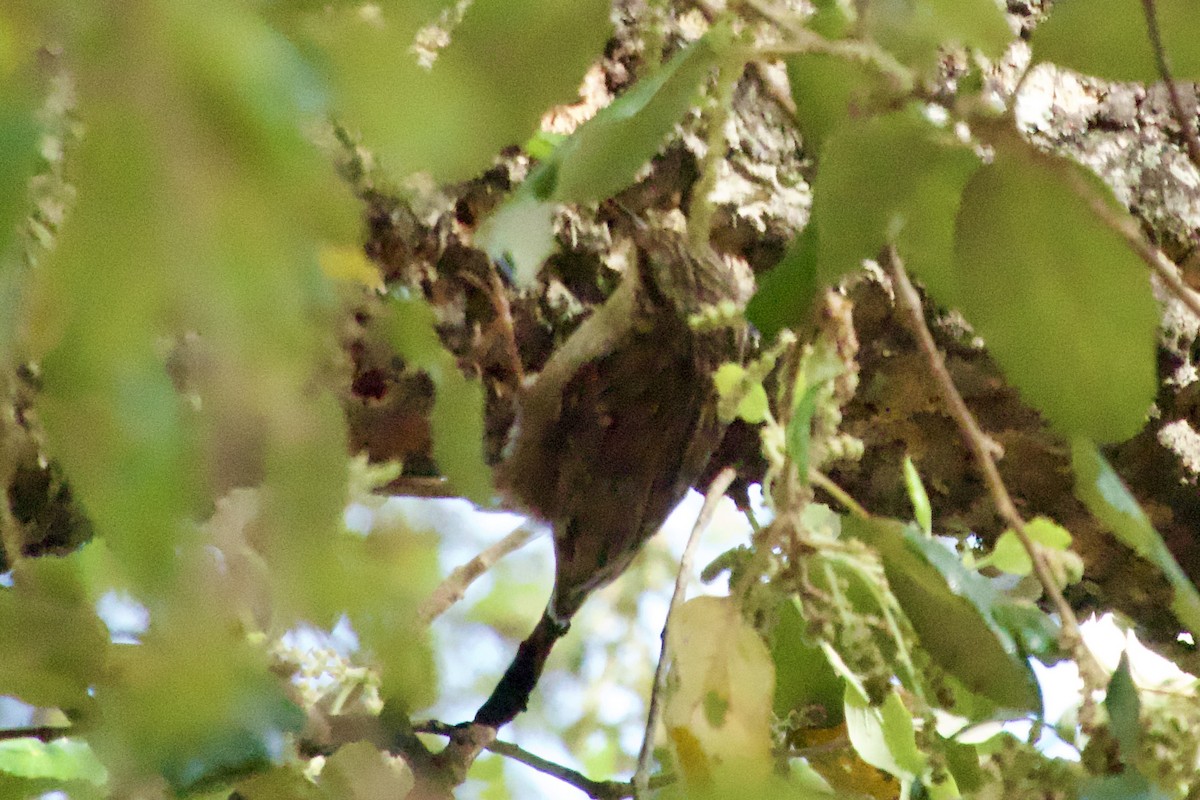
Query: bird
x,y
617,426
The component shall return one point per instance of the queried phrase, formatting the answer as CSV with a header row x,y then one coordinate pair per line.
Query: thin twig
x,y
599,790
716,490
823,481
1125,226
46,733
978,442
1187,122
452,589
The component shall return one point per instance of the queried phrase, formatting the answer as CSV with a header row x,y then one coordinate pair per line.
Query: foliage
x,y
179,264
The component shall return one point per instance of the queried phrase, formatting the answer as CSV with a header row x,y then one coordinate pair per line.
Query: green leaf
x,y
883,735
953,611
917,30
18,141
799,429
754,406
196,704
457,420
1064,305
1010,556
60,760
51,594
1101,490
804,680
830,90
1108,39
785,294
507,63
1129,785
922,513
604,154
1124,708
913,174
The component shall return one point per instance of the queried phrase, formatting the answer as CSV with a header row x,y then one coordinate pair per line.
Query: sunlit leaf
x,y
522,230
1108,39
61,759
914,173
1101,490
1065,307
883,735
953,612
718,713
1011,556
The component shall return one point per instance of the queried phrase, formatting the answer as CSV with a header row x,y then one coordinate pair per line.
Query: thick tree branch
x,y
982,448
716,490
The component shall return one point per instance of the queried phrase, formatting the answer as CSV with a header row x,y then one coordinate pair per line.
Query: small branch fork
x,y
642,782
983,449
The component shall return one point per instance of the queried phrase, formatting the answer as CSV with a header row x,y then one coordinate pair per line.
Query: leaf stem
x,y
716,490
983,448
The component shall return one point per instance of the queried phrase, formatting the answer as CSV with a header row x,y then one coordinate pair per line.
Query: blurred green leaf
x,y
1064,305
1101,490
359,771
799,429
196,705
1129,785
833,19
1108,39
18,142
785,294
829,91
55,646
953,612
917,30
804,681
604,154
1124,709
457,422
913,174
63,759
506,64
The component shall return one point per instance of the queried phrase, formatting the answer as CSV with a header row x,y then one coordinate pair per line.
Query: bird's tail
x,y
511,695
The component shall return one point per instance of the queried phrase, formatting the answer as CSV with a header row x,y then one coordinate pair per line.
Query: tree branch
x,y
452,589
982,449
716,490
598,790
1187,121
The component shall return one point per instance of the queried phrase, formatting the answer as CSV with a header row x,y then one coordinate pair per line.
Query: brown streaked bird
x,y
613,431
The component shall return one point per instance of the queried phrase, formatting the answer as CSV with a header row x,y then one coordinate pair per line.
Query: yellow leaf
x,y
348,263
718,712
